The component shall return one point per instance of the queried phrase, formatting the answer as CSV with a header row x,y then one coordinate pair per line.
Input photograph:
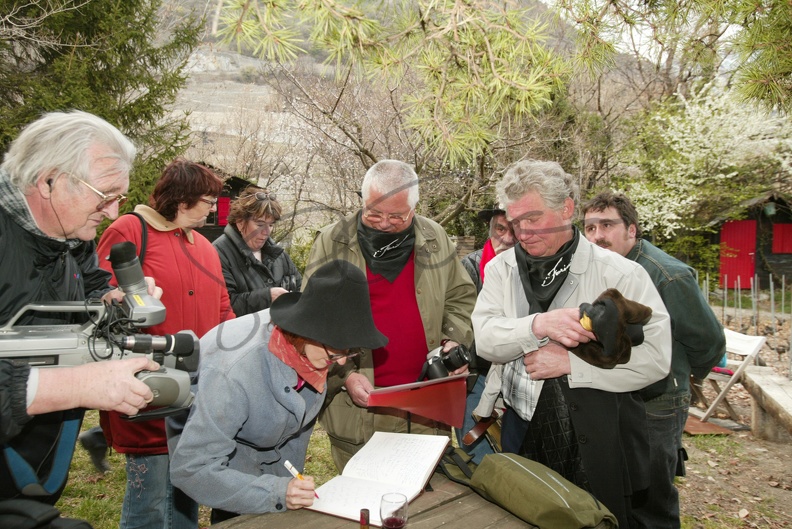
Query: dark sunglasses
x,y
261,195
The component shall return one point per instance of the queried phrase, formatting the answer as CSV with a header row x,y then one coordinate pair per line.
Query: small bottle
x,y
364,519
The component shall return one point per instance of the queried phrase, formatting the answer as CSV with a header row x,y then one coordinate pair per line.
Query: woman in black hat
x,y
262,384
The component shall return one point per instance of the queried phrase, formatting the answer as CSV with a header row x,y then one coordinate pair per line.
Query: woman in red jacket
x,y
186,266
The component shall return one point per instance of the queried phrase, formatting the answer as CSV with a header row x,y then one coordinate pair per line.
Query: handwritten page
x,y
400,459
343,496
389,462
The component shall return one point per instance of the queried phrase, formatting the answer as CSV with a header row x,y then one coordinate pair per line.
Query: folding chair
x,y
746,348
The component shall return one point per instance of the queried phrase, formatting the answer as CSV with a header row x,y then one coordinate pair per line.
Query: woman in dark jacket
x,y
256,270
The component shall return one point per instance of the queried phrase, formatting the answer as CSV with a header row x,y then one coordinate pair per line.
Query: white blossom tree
x,y
695,159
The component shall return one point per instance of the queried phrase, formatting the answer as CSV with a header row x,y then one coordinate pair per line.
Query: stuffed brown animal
x,y
618,324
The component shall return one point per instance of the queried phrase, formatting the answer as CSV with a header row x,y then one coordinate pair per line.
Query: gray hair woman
x,y
255,268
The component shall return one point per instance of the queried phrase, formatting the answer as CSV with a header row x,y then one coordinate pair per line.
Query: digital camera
x,y
439,364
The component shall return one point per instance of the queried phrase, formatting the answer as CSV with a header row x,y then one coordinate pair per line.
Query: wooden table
x,y
448,504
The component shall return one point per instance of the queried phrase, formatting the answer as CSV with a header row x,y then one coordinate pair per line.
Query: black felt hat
x,y
487,214
334,309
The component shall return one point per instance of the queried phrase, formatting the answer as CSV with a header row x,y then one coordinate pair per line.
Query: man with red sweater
x,y
421,299
187,267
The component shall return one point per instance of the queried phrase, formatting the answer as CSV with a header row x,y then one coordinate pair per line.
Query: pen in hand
x,y
293,471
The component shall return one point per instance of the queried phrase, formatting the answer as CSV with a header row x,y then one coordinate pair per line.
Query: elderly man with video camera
x,y
63,175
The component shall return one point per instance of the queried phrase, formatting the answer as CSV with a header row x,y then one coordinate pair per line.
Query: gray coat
x,y
247,419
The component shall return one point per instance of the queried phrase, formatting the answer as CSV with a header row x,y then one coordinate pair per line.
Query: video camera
x,y
111,333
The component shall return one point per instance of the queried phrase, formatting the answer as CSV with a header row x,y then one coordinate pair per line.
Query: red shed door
x,y
737,251
223,205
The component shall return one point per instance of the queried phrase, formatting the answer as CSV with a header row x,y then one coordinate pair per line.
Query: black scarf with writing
x,y
541,277
386,253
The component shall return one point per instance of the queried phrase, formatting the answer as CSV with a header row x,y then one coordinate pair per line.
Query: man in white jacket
x,y
585,422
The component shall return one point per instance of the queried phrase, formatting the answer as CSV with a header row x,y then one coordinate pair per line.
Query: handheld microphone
x,y
181,345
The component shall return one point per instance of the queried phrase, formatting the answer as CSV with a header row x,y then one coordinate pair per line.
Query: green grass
x,y
318,461
723,446
97,498
90,495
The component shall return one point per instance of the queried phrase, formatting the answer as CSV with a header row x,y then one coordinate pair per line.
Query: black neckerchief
x,y
386,253
541,277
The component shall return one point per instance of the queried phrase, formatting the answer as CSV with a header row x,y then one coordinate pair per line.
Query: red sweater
x,y
395,310
194,295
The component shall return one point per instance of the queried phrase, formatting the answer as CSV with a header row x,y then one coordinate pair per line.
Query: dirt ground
x,y
738,480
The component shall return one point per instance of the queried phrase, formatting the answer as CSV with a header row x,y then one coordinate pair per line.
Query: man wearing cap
x,y
420,295
262,382
501,238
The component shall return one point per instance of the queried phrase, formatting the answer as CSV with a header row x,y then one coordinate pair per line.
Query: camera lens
x,y
456,358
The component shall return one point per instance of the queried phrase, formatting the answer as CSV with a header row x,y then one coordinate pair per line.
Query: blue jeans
x,y
666,416
513,431
150,501
481,447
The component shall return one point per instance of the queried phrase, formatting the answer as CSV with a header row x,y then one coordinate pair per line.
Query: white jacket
x,y
502,326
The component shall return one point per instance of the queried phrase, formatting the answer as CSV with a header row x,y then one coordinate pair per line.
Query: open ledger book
x,y
389,462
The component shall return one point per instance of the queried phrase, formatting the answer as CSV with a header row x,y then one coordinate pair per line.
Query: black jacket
x,y
249,280
36,269
13,391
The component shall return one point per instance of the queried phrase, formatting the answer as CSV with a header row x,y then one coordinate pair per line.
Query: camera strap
x,y
143,235
25,478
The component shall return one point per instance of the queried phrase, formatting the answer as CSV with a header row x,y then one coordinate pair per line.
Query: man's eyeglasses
x,y
212,203
375,217
106,200
333,357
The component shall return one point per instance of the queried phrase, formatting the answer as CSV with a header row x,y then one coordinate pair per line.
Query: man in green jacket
x,y
698,344
421,299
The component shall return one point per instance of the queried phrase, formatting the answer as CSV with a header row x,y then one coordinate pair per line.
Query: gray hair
x,y
547,179
390,177
60,141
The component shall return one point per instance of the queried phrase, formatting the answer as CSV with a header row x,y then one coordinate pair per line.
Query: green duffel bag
x,y
538,495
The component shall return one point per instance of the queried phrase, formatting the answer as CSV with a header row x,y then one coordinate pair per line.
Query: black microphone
x,y
180,344
127,269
